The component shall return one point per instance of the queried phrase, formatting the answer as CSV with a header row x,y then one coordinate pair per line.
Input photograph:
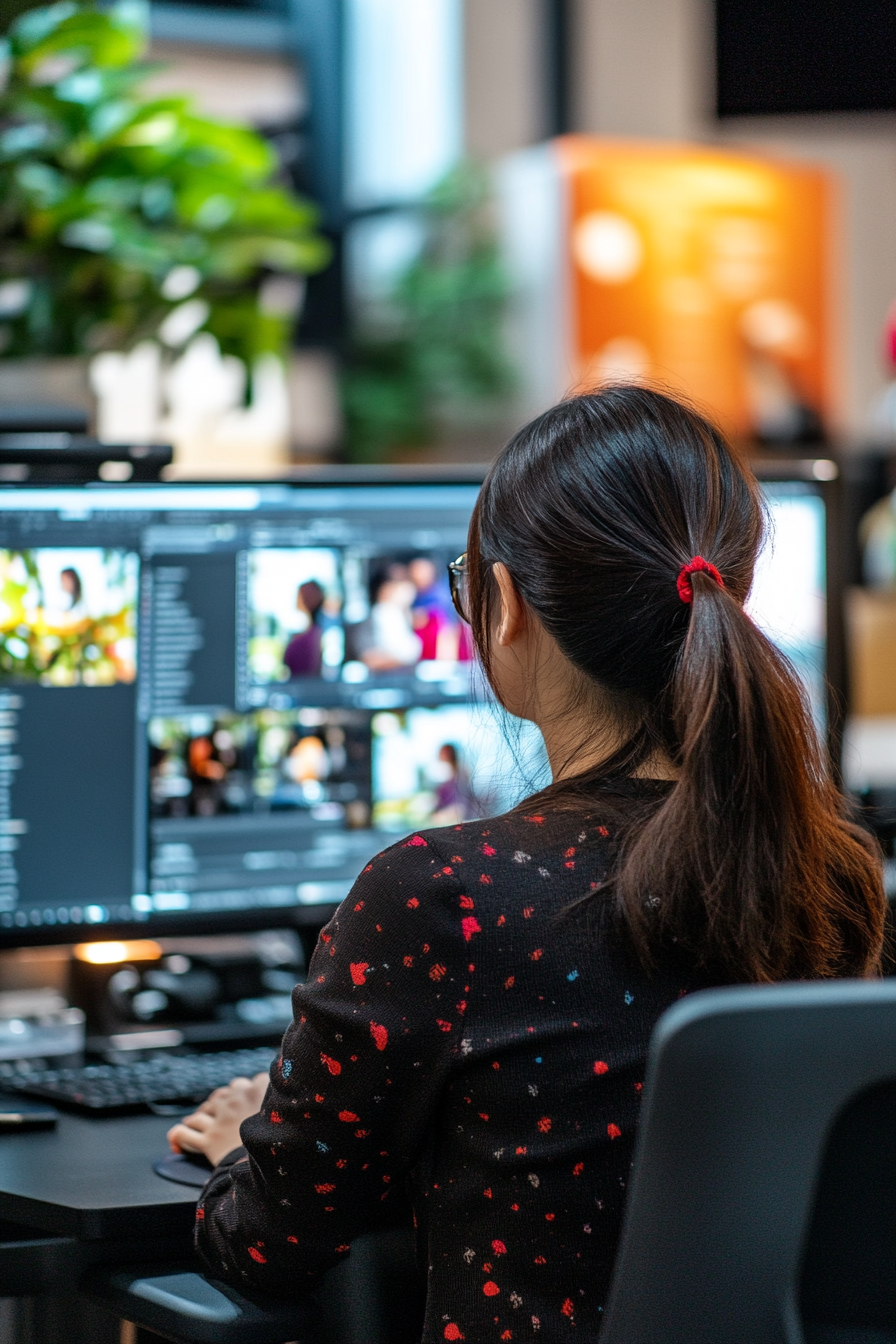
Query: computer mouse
x,y
184,1168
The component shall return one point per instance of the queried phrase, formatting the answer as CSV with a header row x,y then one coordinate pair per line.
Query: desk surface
x,y
93,1179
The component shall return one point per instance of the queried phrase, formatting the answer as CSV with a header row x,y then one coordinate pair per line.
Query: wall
x,y
644,68
256,87
504,93
638,67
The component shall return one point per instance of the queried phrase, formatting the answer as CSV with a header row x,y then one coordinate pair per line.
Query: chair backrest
x,y
752,1100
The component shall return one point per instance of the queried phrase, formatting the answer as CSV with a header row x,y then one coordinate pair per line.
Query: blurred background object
x,y
134,226
386,113
701,269
426,357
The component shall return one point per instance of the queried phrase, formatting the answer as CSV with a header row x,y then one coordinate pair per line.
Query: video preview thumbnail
x,y
392,771
68,617
320,612
437,767
316,760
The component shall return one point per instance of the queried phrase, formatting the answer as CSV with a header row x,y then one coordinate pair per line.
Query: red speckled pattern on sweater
x,y
458,1039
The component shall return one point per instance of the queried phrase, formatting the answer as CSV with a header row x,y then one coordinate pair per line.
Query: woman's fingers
x,y
183,1139
214,1127
222,1095
249,1084
200,1120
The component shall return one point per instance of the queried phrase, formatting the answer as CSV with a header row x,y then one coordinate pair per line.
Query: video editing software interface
x,y
221,701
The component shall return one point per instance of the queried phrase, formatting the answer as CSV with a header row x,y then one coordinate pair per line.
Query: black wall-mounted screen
x,y
775,57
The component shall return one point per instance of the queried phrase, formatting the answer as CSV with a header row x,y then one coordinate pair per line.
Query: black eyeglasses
x,y
457,580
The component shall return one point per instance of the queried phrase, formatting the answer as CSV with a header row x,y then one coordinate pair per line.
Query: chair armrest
x,y
31,1264
180,1303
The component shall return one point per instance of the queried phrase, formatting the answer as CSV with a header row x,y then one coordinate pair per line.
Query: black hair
x,y
748,863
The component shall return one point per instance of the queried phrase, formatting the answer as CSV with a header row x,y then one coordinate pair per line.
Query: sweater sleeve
x,y
375,1029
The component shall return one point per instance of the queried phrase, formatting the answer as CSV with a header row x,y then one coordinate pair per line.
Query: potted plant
x,y
430,360
126,217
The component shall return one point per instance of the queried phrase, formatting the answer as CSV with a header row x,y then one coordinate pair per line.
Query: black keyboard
x,y
164,1083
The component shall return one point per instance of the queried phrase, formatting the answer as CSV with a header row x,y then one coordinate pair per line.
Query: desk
x,y
93,1180
80,1194
85,1194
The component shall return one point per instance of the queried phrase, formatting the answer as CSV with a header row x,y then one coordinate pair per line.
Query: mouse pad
x,y
184,1168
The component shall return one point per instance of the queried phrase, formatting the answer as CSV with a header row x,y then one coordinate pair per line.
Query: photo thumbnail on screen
x,y
295,614
68,617
399,615
438,767
314,760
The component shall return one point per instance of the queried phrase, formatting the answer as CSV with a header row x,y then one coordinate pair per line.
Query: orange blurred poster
x,y
699,268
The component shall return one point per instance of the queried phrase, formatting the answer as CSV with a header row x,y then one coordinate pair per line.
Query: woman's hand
x,y
214,1129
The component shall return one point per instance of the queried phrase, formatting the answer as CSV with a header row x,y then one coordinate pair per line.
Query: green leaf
x,y
81,31
243,150
240,256
20,140
104,189
46,186
36,24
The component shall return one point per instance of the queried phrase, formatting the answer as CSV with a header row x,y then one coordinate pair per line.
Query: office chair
x,y
181,1304
762,1207
376,1296
31,1263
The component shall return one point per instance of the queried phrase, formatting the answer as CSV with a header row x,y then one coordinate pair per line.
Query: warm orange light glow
x,y
106,954
703,268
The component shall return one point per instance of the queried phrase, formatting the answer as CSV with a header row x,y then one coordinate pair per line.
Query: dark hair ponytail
x,y
748,865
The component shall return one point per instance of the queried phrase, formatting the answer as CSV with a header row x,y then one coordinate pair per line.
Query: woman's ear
x,y
512,620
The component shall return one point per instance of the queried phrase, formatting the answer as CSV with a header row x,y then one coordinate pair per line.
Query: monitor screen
x,y
788,599
217,702
776,57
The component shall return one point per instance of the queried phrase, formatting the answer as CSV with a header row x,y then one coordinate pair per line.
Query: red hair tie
x,y
696,566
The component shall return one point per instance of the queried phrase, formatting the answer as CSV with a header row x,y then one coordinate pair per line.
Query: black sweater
x,y
458,1037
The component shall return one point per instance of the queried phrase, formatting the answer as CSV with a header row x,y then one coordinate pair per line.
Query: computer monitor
x,y
796,596
218,701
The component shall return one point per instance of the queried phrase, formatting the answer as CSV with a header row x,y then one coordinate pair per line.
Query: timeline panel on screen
x,y
217,702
